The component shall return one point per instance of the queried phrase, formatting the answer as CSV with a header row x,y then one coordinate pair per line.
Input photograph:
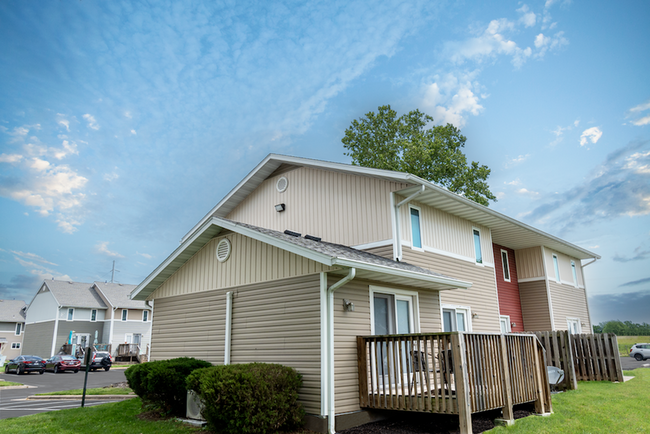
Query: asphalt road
x,y
628,363
13,402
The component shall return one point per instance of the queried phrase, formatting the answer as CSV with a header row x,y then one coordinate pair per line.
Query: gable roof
x,y
505,230
368,265
75,294
117,295
12,311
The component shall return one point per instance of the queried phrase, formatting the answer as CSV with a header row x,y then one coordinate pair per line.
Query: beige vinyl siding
x,y
250,261
569,302
445,232
349,325
279,322
529,263
564,263
37,339
338,207
534,305
131,315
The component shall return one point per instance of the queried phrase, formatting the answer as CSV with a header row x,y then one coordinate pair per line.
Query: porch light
x,y
280,207
348,305
513,324
474,315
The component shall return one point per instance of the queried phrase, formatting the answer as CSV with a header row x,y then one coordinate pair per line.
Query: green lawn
x,y
596,407
98,391
9,383
626,342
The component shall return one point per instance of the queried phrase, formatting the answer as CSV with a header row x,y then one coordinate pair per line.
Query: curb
x,y
78,397
18,387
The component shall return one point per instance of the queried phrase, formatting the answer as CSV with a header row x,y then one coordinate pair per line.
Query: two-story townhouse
x,y
82,314
12,328
302,256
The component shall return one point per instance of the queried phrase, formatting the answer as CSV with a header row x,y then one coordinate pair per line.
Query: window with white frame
x,y
477,246
455,318
573,325
93,315
70,314
393,311
416,233
557,268
575,275
125,312
145,315
15,345
19,328
504,322
506,265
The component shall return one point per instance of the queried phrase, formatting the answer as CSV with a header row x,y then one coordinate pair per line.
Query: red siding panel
x,y
509,302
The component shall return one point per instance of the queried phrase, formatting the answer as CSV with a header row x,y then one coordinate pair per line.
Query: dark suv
x,y
101,360
640,351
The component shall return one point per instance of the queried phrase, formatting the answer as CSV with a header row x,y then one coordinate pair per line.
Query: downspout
x,y
548,290
228,338
331,415
56,330
110,335
398,241
584,283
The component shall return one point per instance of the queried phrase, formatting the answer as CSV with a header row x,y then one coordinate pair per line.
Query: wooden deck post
x,y
462,387
617,359
362,365
508,416
570,374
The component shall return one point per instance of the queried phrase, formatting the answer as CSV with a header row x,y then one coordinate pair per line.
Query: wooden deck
x,y
452,373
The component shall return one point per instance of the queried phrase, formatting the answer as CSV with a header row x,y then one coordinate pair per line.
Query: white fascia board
x,y
105,296
451,282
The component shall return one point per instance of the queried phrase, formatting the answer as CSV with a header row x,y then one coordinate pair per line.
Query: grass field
x,y
595,407
625,342
9,383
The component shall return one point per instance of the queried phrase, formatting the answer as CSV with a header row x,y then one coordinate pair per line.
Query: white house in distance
x,y
12,328
86,314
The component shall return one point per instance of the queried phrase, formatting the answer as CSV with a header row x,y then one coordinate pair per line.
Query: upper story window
x,y
15,345
416,234
19,328
454,318
125,312
477,246
93,315
145,315
70,314
506,265
575,276
557,268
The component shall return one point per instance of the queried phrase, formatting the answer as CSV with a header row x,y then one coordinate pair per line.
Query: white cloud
x,y
549,43
592,135
526,192
32,257
128,115
102,247
517,160
66,149
111,176
145,255
10,158
634,111
38,164
40,270
638,162
92,123
63,121
451,99
527,18
133,132
514,182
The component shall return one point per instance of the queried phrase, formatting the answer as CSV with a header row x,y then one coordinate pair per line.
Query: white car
x,y
640,351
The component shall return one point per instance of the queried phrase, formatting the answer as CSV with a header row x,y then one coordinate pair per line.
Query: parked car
x,y
101,360
62,363
22,364
640,351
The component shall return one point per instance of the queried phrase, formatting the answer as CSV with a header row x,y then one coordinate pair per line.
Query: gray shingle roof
x,y
75,294
11,311
118,295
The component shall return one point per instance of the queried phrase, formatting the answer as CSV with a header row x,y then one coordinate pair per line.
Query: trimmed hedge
x,y
163,383
249,398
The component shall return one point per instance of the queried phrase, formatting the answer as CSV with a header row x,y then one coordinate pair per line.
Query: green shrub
x,y
163,383
249,398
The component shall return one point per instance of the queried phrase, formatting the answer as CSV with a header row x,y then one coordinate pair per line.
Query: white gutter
x,y
398,240
329,359
548,289
56,330
228,340
584,265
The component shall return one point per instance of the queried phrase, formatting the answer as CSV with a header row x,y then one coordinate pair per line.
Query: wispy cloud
x,y
637,111
636,282
516,161
145,255
559,132
10,158
92,123
102,247
639,255
592,135
32,257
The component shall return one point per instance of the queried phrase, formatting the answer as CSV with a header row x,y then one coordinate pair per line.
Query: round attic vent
x,y
223,250
282,184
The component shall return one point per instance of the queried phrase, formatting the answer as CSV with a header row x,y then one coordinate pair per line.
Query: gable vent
x,y
223,250
282,184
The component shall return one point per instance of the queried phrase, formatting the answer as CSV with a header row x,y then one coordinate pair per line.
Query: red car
x,y
63,363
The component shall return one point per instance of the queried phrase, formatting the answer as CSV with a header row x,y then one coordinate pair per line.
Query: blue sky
x,y
123,123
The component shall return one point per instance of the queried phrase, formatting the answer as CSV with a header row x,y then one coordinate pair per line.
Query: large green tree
x,y
407,144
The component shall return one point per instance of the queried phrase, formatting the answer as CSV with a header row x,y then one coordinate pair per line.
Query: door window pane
x,y
381,316
415,228
403,317
447,320
460,320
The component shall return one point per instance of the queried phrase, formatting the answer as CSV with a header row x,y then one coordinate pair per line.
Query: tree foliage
x,y
620,328
406,144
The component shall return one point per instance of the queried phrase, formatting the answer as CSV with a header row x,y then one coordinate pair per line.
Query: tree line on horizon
x,y
623,328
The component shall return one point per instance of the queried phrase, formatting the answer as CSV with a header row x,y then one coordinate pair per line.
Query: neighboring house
x,y
84,314
12,328
366,252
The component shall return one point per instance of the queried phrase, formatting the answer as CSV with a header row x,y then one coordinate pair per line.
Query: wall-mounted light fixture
x,y
474,315
348,305
513,324
280,207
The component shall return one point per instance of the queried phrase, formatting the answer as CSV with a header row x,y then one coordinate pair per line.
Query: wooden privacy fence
x,y
582,357
453,373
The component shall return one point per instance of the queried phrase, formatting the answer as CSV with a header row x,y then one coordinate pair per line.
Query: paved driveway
x,y
13,402
628,363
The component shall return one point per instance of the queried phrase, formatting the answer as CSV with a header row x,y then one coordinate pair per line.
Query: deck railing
x,y
453,373
128,350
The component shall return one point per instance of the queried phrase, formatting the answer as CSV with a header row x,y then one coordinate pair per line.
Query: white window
x,y
145,315
393,311
416,234
124,314
70,314
506,265
19,328
15,345
557,268
574,326
455,318
575,276
477,246
504,322
93,315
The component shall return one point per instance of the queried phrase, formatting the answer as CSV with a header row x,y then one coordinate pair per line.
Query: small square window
x,y
15,345
124,314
